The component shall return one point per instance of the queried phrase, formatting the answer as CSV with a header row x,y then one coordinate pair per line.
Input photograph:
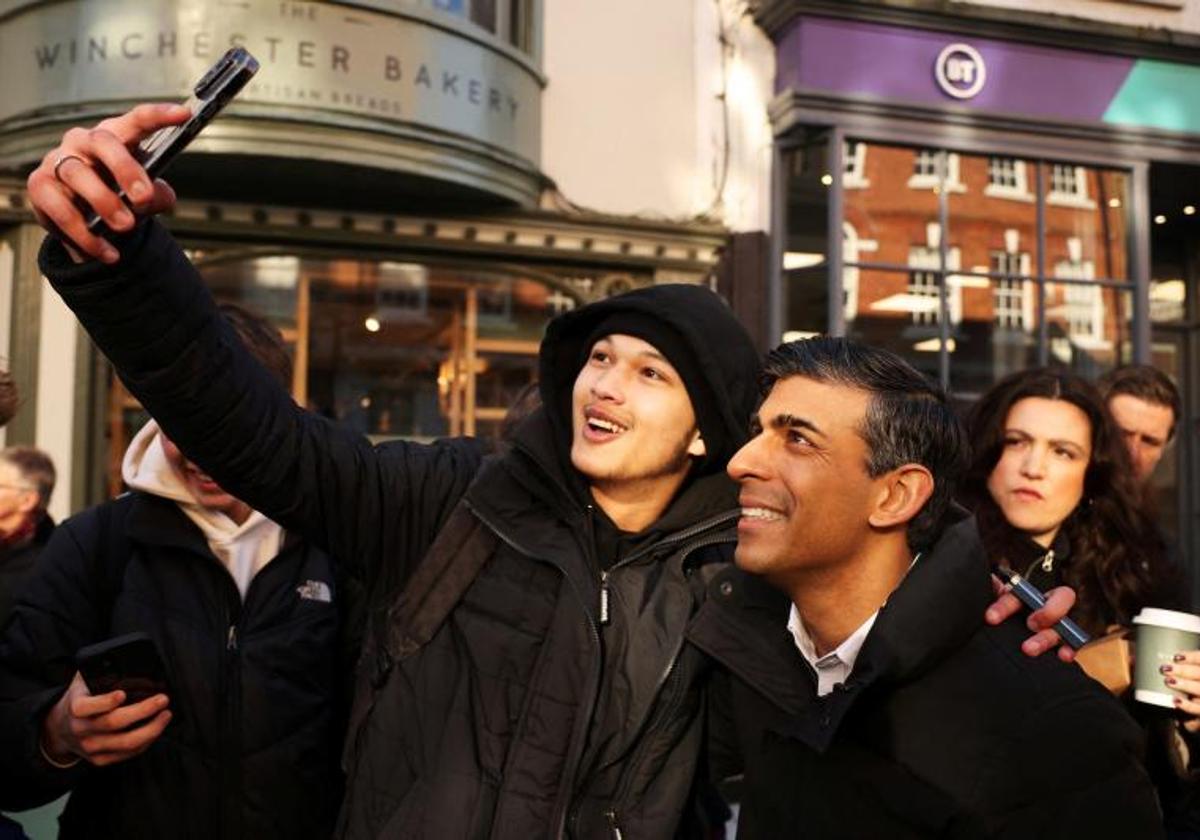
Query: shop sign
x,y
960,71
326,62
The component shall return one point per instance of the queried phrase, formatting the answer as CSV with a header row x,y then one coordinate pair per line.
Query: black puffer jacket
x,y
17,563
257,694
521,715
943,729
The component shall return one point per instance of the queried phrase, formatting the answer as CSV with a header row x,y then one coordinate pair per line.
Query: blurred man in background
x,y
26,482
1146,406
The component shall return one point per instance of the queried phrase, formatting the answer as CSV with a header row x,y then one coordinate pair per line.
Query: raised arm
x,y
146,307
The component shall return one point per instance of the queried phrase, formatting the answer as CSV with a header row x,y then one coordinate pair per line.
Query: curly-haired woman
x,y
1056,500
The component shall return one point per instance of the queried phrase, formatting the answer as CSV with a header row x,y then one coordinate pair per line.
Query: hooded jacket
x,y
256,691
521,707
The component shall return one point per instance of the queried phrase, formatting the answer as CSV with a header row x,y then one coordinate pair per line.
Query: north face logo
x,y
315,590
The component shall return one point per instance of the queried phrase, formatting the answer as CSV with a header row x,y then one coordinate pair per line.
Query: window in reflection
x,y
854,164
1089,325
510,20
1007,178
1012,293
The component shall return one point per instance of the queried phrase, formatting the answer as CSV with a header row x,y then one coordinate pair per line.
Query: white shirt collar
x,y
834,667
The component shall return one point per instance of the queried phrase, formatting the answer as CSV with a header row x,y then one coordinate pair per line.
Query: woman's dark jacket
x,y
943,729
522,713
257,694
1169,748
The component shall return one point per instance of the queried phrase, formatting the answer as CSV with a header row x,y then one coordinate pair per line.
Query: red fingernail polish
x,y
1164,669
1179,657
1171,681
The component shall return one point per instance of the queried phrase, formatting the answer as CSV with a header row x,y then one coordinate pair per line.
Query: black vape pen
x,y
1032,597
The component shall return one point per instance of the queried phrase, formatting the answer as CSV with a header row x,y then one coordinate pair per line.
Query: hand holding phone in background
x,y
100,729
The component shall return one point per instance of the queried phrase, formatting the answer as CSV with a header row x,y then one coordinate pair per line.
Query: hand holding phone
x,y
128,663
223,81
96,177
101,729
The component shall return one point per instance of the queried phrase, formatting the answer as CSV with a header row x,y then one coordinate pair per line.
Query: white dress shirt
x,y
835,666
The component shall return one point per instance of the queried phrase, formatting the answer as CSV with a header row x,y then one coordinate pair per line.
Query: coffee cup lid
x,y
1168,618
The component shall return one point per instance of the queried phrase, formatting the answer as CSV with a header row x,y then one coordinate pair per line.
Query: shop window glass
x,y
509,20
1012,291
1168,299
891,213
854,165
1091,225
805,268
1088,323
931,228
924,283
998,334
398,349
520,24
886,317
483,13
850,254
926,303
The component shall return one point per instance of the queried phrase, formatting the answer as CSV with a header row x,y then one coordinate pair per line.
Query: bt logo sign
x,y
960,71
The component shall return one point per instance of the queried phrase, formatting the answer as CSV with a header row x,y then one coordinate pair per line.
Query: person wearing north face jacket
x,y
525,670
248,621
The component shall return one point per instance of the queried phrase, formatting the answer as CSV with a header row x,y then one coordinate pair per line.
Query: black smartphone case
x,y
130,663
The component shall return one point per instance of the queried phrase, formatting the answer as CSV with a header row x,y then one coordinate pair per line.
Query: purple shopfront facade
x,y
1004,202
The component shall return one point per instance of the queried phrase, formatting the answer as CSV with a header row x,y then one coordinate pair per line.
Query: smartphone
x,y
223,81
130,663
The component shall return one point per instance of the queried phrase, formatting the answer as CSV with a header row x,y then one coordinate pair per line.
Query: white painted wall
x,y
1175,16
631,116
56,394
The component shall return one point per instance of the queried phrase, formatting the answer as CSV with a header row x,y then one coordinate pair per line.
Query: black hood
x,y
703,323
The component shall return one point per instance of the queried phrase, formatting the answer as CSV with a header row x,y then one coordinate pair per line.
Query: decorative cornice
x,y
592,251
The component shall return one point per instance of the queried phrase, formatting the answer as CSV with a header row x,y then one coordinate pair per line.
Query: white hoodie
x,y
243,549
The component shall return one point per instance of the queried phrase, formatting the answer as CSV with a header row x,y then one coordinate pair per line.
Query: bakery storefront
x,y
376,191
981,204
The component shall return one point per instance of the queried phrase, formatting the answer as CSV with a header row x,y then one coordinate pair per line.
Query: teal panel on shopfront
x,y
1158,94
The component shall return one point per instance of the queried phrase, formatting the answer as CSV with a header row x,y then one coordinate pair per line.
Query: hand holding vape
x,y
1032,597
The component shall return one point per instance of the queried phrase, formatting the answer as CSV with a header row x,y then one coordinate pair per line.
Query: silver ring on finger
x,y
60,160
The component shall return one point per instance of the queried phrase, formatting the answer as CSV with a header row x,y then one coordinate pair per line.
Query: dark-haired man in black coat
x,y
868,697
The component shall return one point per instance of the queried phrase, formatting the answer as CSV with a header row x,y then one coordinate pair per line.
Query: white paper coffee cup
x,y
1160,635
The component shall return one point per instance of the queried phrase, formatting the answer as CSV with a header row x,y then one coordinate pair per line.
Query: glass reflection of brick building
x,y
994,259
